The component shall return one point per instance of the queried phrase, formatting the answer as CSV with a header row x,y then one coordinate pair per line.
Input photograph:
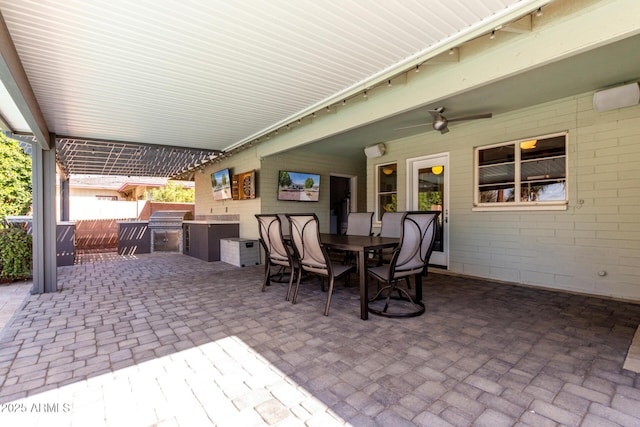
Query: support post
x,y
44,220
64,198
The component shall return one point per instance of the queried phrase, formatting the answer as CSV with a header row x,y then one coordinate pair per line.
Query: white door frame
x,y
413,164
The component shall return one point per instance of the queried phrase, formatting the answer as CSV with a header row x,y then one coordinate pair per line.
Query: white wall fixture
x,y
617,97
375,151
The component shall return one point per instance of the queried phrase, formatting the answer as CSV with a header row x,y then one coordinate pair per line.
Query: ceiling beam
x,y
452,55
4,124
17,84
521,26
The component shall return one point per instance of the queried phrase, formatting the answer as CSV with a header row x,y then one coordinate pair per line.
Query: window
x,y
99,197
524,173
387,189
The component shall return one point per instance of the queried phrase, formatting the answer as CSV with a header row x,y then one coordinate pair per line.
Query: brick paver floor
x,y
12,296
170,340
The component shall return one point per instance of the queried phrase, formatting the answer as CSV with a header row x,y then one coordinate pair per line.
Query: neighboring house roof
x,y
120,183
131,184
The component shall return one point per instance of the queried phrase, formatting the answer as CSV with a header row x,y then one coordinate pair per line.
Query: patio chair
x,y
277,253
311,255
410,259
358,224
284,225
391,227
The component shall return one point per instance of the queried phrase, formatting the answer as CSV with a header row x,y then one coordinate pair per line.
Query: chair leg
x,y
392,287
403,295
267,272
295,292
329,292
293,270
280,273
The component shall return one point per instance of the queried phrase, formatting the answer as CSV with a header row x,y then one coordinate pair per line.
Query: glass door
x,y
428,191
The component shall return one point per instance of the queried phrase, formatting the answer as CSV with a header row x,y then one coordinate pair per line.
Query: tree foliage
x,y
16,256
15,178
284,180
308,183
428,199
173,192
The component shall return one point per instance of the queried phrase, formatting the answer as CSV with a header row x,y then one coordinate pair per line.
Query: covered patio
x,y
167,339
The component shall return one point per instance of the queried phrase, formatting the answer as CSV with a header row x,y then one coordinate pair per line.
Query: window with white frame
x,y
524,173
387,189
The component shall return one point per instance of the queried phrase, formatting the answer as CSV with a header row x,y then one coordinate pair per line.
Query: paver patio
x,y
167,339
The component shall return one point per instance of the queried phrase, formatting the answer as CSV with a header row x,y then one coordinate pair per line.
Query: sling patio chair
x,y
358,224
277,253
409,259
312,256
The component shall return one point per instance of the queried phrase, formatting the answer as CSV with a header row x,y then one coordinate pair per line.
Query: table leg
x,y
364,292
418,284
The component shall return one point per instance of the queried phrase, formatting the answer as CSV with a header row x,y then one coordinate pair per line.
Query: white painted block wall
x,y
600,230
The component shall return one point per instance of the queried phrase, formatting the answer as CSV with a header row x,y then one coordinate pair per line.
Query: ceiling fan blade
x,y
413,126
474,117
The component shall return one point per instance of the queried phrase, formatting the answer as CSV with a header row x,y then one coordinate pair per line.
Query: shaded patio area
x,y
167,339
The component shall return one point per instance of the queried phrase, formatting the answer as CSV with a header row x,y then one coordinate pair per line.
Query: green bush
x,y
16,257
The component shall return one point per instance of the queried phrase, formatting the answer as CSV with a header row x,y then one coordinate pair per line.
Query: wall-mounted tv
x,y
298,186
221,184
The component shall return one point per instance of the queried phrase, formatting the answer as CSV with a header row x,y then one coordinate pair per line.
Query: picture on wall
x,y
298,186
221,184
244,185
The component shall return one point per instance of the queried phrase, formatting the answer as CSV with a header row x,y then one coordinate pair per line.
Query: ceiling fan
x,y
441,123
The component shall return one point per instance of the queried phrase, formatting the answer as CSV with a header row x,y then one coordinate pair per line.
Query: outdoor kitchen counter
x,y
202,237
133,237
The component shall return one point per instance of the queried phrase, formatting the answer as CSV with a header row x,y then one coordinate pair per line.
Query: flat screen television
x,y
298,186
221,184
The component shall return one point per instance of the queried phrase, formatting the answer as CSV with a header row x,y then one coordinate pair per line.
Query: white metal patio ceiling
x,y
213,74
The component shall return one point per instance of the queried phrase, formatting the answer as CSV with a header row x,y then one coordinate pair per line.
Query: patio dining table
x,y
361,245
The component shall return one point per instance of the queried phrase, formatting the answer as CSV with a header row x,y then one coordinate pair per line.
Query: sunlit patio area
x,y
167,339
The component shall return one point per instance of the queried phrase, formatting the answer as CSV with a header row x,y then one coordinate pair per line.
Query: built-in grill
x,y
166,230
